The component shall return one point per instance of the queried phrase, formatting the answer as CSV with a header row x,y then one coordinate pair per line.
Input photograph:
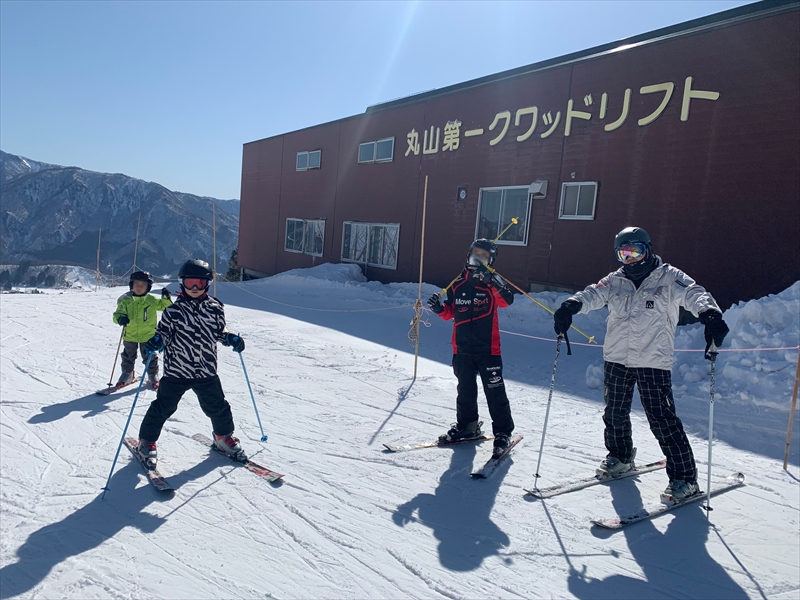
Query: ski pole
x,y
125,430
116,356
253,398
711,354
547,412
544,306
514,221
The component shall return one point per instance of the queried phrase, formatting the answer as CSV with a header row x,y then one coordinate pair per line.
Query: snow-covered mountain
x,y
53,213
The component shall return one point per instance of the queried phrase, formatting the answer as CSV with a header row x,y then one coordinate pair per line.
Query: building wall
x,y
719,193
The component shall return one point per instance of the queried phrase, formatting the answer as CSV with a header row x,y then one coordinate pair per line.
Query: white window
x,y
373,244
305,236
496,209
380,151
308,160
578,200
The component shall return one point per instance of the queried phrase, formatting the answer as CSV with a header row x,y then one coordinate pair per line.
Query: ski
x,y
733,481
153,476
487,469
406,448
572,486
251,466
115,388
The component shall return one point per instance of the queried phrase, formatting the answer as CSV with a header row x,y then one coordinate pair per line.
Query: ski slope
x,y
350,521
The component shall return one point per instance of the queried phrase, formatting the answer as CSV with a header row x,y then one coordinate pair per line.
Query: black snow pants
x,y
655,390
490,368
171,390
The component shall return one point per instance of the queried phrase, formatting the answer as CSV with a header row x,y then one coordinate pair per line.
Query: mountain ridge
x,y
53,212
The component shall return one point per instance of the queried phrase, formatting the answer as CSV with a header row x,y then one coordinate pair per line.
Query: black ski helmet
x,y
196,268
487,245
632,235
141,276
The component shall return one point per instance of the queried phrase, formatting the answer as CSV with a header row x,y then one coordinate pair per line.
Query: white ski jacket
x,y
641,323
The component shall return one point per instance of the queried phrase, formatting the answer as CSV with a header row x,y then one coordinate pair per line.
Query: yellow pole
x,y
514,221
97,273
418,304
214,211
791,415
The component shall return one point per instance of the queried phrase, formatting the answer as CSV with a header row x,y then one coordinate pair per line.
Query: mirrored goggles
x,y
195,283
635,251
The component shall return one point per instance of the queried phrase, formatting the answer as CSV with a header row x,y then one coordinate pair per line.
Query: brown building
x,y
692,132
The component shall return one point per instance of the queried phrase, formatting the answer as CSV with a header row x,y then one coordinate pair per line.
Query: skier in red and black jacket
x,y
472,302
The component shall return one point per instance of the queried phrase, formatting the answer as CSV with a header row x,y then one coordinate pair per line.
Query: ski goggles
x,y
635,251
195,283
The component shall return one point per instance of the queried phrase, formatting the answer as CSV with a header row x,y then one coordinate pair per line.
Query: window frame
x,y
367,245
577,184
308,154
375,158
501,188
306,223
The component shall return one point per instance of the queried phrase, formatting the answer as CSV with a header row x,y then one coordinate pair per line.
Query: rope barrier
x,y
416,321
544,339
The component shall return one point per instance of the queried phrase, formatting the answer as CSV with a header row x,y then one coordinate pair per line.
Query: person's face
x,y
630,260
195,293
481,254
140,287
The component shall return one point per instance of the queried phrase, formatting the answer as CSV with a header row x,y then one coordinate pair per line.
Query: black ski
x,y
248,464
735,480
487,469
579,484
153,476
407,447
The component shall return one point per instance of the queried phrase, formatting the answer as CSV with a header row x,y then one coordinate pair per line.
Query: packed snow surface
x,y
350,521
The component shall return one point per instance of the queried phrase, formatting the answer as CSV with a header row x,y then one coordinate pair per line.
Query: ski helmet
x,y
195,269
632,235
141,276
487,245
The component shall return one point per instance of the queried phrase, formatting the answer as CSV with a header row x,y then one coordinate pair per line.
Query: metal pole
x,y
253,398
136,247
214,212
128,422
421,262
791,416
712,354
97,273
547,412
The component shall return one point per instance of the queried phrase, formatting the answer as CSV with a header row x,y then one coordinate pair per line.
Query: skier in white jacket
x,y
644,298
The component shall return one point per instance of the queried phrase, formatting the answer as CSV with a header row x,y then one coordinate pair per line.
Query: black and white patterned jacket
x,y
190,330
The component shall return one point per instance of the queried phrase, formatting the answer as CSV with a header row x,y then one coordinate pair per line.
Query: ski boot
x,y
148,452
126,378
679,490
456,433
501,443
612,466
152,381
230,446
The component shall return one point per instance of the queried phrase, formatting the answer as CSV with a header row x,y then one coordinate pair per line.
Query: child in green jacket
x,y
137,313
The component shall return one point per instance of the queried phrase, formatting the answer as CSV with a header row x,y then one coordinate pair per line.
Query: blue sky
x,y
169,91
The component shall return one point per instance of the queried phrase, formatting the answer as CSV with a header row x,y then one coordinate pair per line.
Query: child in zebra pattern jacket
x,y
188,334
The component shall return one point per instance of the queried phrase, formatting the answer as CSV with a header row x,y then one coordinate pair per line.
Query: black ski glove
x,y
123,320
481,273
563,316
165,293
435,304
716,328
235,341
